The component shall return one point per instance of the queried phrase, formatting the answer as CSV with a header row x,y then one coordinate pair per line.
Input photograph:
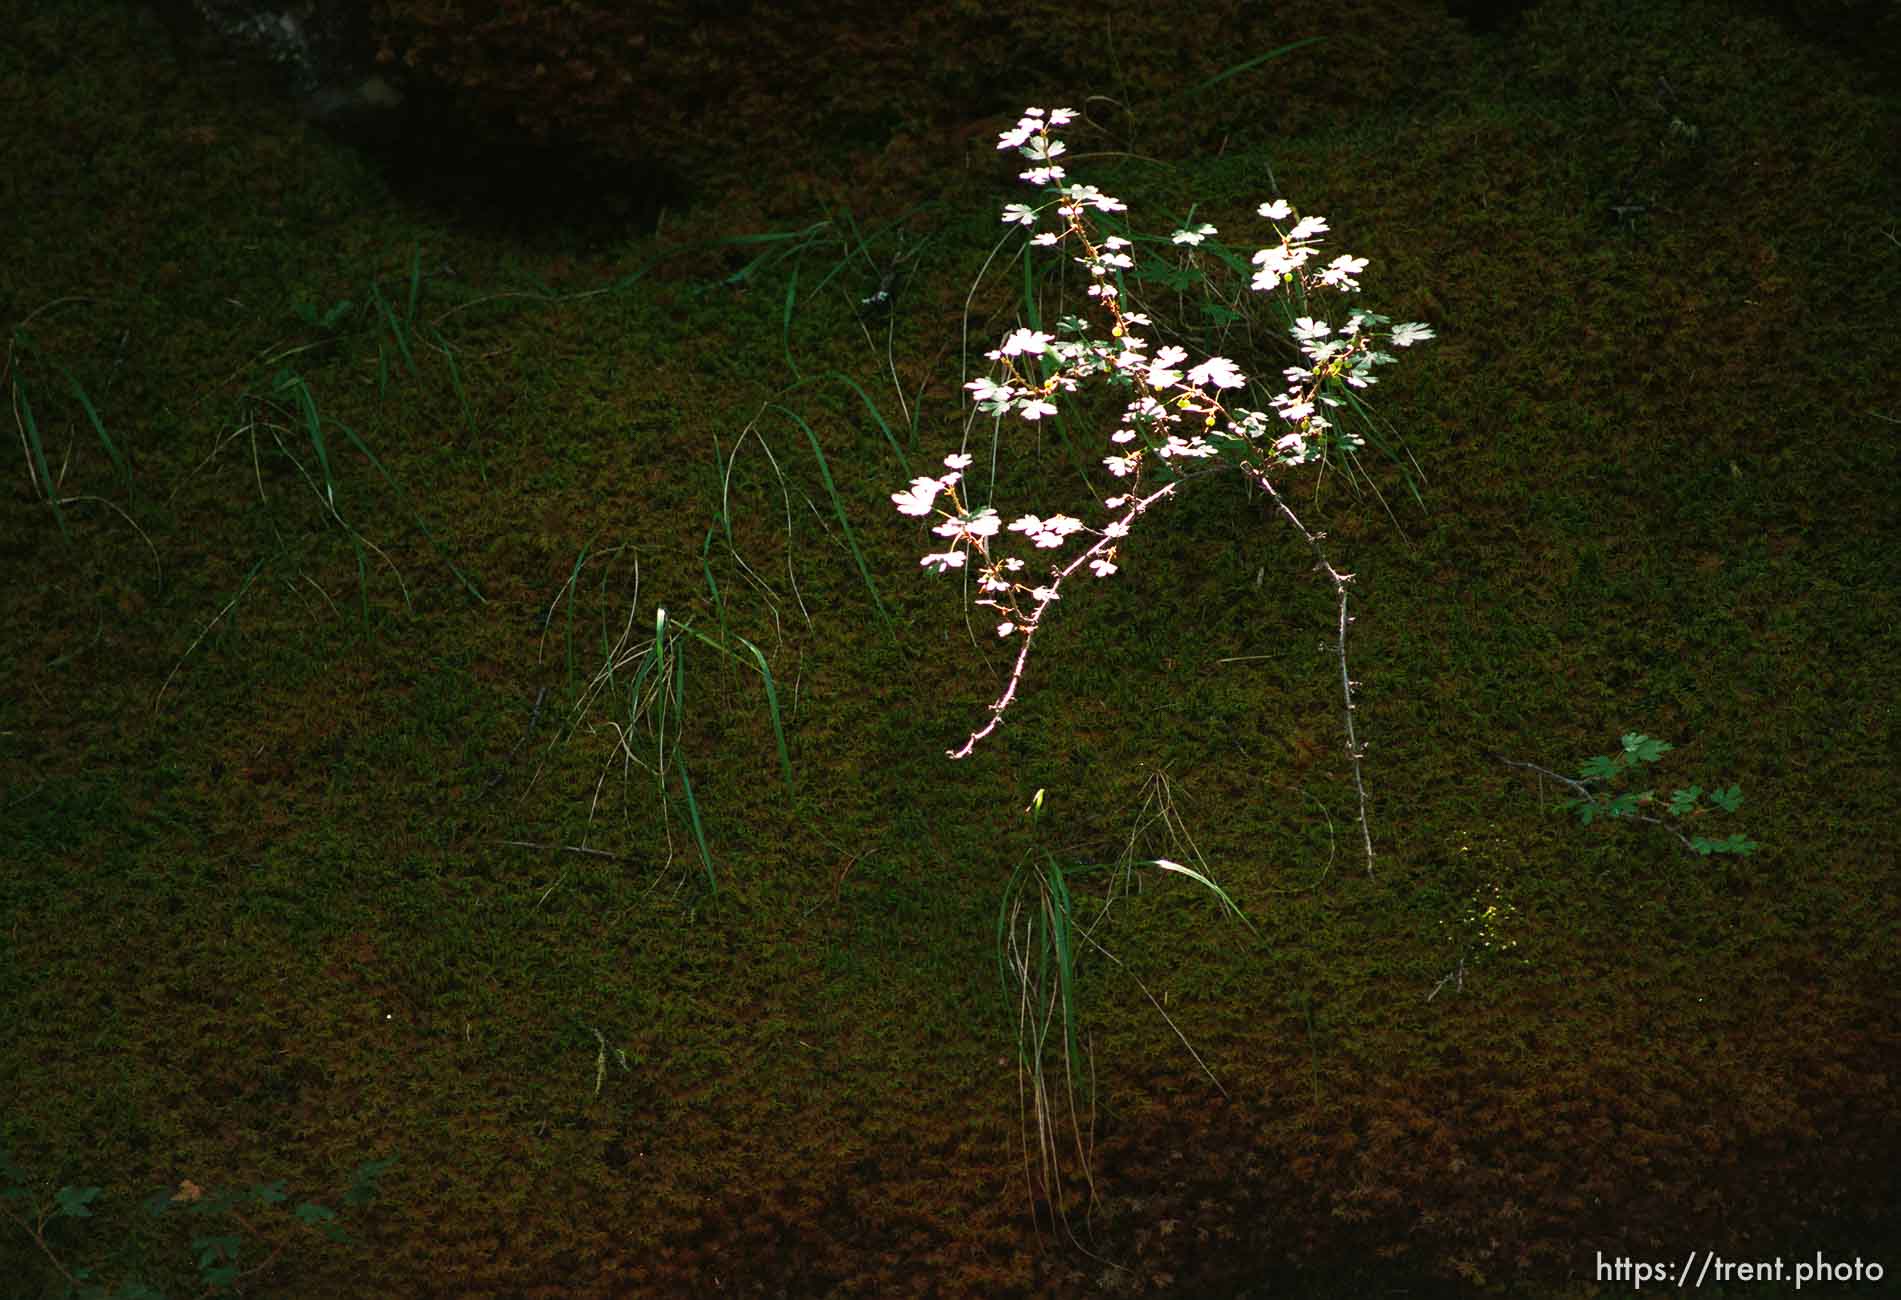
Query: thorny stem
x,y
1035,620
1340,581
39,1239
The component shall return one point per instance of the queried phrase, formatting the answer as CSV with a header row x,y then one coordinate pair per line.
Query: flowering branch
x,y
1165,397
1097,556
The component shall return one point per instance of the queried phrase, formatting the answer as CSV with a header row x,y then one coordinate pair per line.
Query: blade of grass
x,y
293,384
660,726
462,399
693,816
838,508
99,427
243,587
415,514
767,258
712,587
785,320
1057,918
772,707
395,327
30,431
1209,885
1048,367
415,281
904,462
1239,68
569,588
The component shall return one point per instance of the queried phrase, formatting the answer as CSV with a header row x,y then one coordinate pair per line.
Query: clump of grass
x,y
22,353
1041,938
650,672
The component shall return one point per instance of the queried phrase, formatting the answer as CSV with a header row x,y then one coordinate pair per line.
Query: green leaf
x,y
74,1200
1736,844
1728,800
213,1251
363,1182
1683,801
1644,749
269,1193
1600,769
314,1214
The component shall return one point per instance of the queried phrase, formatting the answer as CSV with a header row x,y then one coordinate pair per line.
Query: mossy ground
x,y
263,919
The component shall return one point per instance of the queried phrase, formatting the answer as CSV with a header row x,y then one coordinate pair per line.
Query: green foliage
x,y
216,1253
1683,805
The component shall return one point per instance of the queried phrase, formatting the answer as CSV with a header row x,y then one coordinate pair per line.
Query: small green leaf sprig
x,y
217,1254
1598,795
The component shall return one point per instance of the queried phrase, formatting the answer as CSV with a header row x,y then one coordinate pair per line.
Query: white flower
x,y
957,461
989,390
1089,194
1306,329
970,527
1024,340
1021,214
1278,210
1036,410
1162,371
1006,628
1277,262
1306,228
917,501
1193,236
1046,532
1195,448
1404,336
1218,371
1117,528
945,562
1341,271
1102,567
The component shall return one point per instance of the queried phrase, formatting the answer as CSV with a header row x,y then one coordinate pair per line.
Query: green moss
x,y
277,920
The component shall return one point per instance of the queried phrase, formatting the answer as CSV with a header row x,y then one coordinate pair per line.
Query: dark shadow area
x,y
491,177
